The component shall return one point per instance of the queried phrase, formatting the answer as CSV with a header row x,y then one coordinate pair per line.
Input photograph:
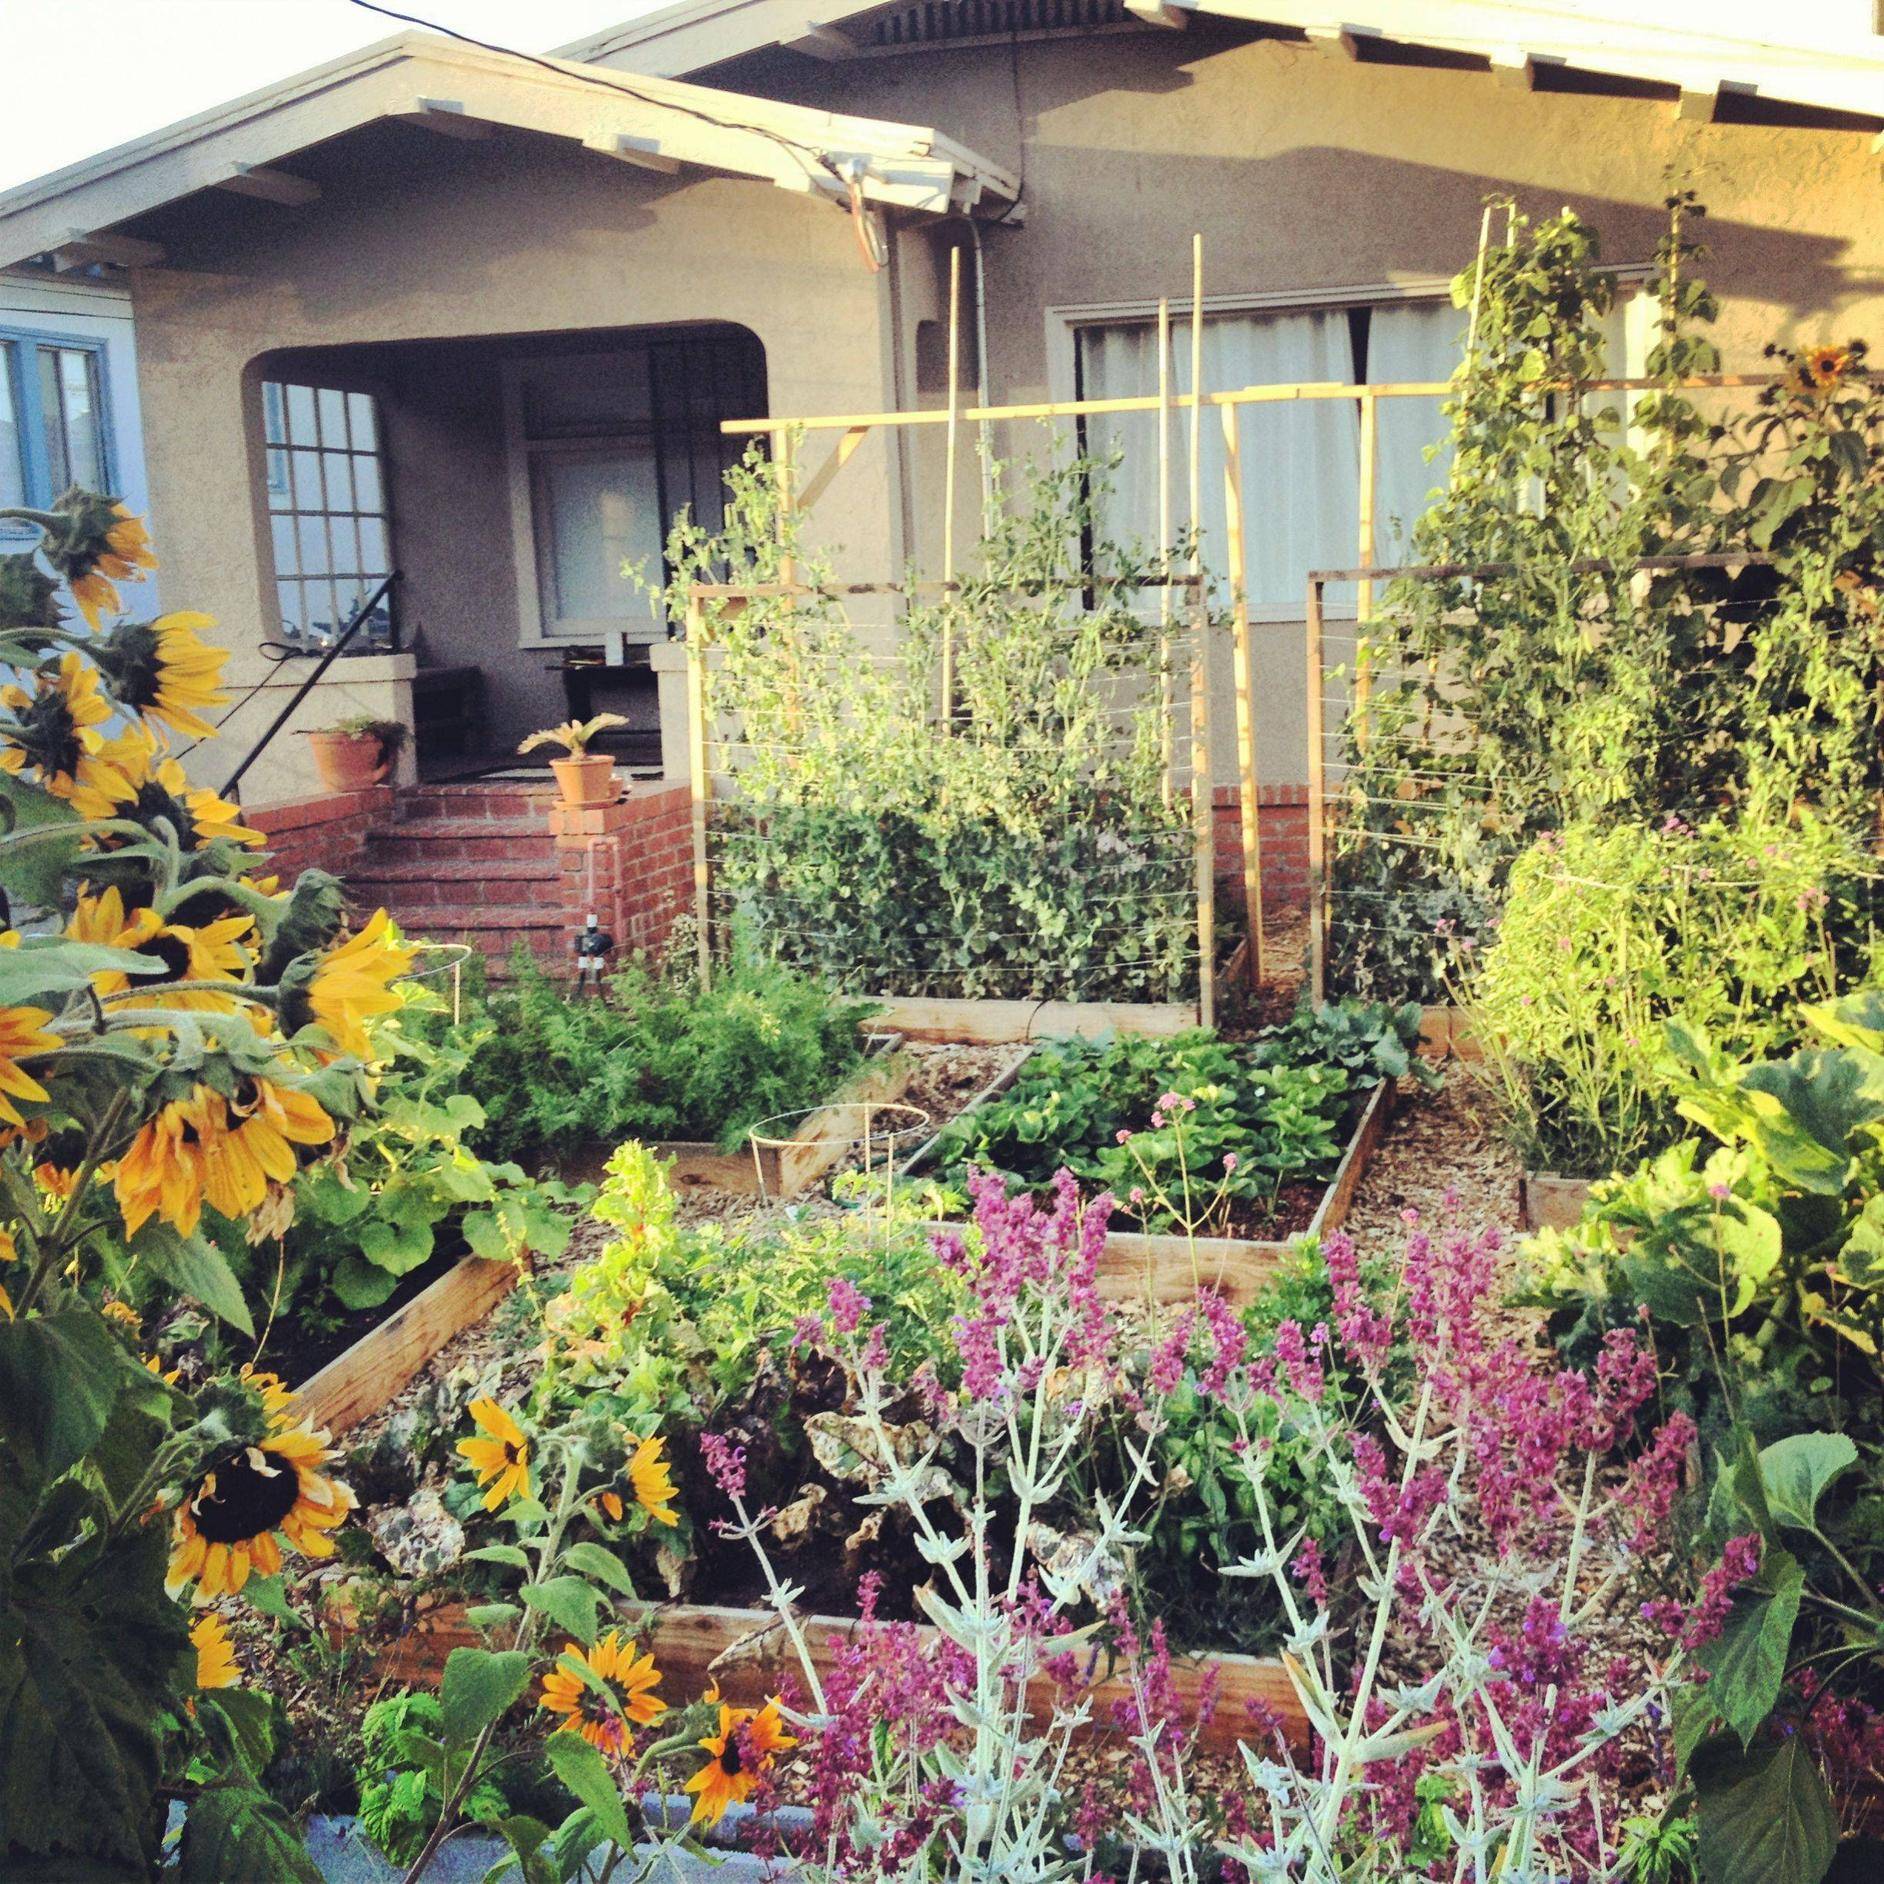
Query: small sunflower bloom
x,y
653,1484
56,725
99,545
604,1721
501,1457
236,1517
215,1653
737,1757
163,671
267,1122
352,984
165,1173
22,1036
129,778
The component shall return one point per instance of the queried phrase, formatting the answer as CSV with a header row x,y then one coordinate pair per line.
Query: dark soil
x,y
296,1351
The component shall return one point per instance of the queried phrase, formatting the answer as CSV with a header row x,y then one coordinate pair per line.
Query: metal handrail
x,y
328,657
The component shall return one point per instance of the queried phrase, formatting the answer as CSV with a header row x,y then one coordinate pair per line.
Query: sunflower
x,y
737,1757
352,983
215,1654
266,1122
128,778
8,1254
55,725
166,1171
161,671
501,1461
235,1518
22,1036
654,1489
211,951
603,1720
28,596
1819,369
98,545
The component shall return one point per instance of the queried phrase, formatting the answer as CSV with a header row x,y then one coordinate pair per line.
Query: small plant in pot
x,y
583,777
356,753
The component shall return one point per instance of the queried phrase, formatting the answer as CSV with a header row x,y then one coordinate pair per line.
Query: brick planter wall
x,y
1282,823
630,863
324,833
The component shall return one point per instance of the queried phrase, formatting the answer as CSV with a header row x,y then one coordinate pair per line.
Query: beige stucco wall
x,y
422,238
1306,173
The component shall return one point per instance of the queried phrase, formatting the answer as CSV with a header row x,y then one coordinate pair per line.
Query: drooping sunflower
x,y
737,1757
129,778
162,671
501,1459
211,951
234,1520
630,1679
216,1665
654,1487
55,725
22,1035
98,545
165,1173
352,983
266,1122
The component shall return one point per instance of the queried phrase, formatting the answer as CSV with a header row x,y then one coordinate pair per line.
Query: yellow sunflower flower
x,y
211,951
654,1488
353,983
235,1519
161,671
266,1122
101,545
166,1171
55,725
1819,369
215,1653
501,1460
737,1757
630,1679
129,778
22,1036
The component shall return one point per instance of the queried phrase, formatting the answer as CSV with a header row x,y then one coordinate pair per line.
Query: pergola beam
x,y
268,185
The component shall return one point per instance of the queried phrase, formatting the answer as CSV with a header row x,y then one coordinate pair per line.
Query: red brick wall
x,y
1282,826
630,863
325,833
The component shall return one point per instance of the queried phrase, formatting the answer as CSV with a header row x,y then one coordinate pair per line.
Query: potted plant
x,y
583,777
356,753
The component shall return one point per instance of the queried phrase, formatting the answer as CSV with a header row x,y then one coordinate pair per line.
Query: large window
x,y
607,449
328,514
53,426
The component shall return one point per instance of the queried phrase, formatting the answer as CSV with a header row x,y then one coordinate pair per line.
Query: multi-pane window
x,y
328,514
52,418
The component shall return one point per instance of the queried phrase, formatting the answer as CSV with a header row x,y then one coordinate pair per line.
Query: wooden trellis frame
x,y
1319,806
702,776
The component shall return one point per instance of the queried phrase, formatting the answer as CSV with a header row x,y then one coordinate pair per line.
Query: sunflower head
x,y
23,1036
161,670
653,1485
95,545
737,1758
55,724
130,778
29,598
617,1696
499,1454
341,990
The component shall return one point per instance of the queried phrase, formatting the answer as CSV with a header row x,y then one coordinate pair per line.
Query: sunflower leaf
x,y
60,1377
583,1770
568,1602
240,1832
592,1560
197,1267
479,1687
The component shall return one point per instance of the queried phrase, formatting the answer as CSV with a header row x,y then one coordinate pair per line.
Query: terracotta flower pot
x,y
589,780
350,762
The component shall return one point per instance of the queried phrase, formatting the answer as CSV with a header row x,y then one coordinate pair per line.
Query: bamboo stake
x,y
948,482
699,780
1203,849
1247,799
1317,861
1167,687
1364,593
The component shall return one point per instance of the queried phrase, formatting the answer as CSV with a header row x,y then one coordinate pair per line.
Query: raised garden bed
x,y
747,1653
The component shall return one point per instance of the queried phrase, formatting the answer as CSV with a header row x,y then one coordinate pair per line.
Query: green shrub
x,y
1609,933
657,1059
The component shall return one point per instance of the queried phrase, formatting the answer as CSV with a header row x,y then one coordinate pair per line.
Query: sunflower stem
x,y
53,1246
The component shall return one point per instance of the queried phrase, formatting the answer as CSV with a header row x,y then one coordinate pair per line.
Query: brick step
x,y
496,838
432,880
464,921
432,804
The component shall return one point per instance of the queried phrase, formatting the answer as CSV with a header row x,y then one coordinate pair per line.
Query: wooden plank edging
x,y
361,1379
748,1654
1003,1023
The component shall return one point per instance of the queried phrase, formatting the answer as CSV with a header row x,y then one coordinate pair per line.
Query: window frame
x,y
1064,321
20,348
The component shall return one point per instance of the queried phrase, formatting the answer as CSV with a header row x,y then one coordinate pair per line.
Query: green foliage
x,y
1277,1106
1560,686
1766,1817
400,1801
1026,846
657,1059
1610,931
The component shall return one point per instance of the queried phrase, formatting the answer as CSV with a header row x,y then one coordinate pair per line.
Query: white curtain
x,y
1300,460
1409,341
